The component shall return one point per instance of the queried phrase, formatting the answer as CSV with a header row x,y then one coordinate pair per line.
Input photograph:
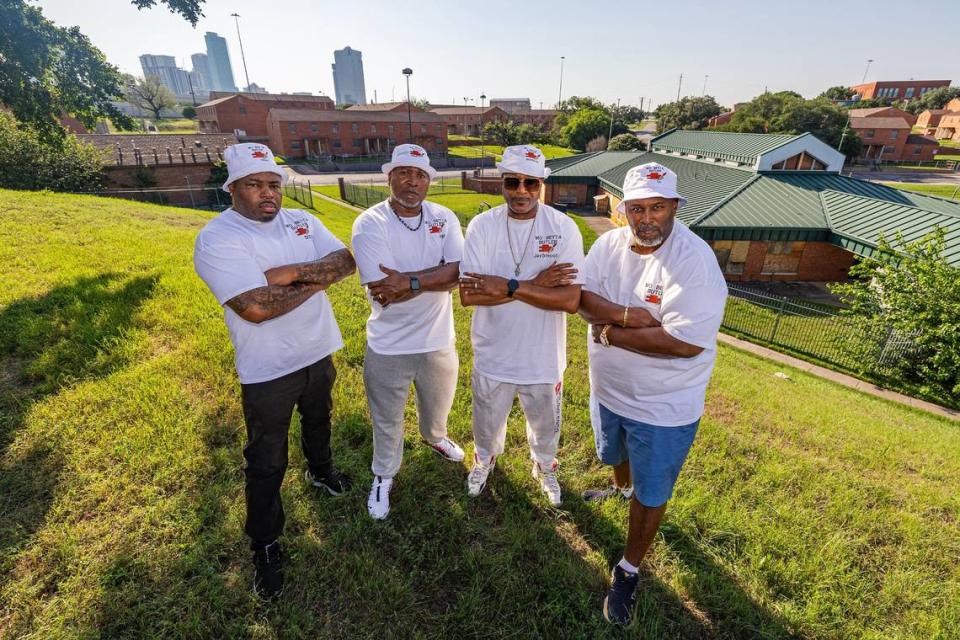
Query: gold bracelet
x,y
626,310
603,335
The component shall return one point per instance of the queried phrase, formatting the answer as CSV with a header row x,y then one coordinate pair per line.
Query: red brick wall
x,y
170,175
247,114
328,134
819,262
486,184
563,192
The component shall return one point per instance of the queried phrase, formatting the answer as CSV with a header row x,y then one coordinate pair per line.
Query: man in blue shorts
x,y
654,296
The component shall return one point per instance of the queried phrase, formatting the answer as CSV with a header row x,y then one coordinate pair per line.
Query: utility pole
x,y
560,93
483,97
704,92
610,132
409,72
236,19
679,84
864,79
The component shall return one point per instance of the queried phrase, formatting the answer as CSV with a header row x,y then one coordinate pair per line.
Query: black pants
x,y
267,410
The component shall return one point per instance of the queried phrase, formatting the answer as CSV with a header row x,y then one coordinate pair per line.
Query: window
x,y
423,129
917,150
782,257
893,134
888,149
439,142
295,144
357,143
335,129
292,127
355,128
373,128
389,129
908,93
336,144
242,110
869,133
314,127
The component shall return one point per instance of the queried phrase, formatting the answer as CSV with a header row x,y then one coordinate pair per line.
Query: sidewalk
x,y
839,378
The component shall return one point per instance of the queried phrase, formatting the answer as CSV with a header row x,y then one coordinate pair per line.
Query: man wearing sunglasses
x,y
521,269
408,251
654,296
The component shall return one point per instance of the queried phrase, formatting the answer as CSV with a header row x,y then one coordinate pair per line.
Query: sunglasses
x,y
512,184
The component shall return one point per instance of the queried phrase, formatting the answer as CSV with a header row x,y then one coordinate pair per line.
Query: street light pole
x,y
409,72
610,132
864,79
679,84
704,92
560,93
236,19
482,152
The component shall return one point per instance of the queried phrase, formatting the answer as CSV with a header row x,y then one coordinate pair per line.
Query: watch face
x,y
414,284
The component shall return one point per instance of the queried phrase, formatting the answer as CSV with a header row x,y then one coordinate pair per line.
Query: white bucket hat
x,y
651,180
524,159
249,158
410,155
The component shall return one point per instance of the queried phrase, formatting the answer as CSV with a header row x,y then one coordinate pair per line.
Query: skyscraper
x,y
348,76
165,69
201,71
218,62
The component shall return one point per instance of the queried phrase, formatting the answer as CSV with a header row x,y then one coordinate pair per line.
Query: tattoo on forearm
x,y
274,299
326,271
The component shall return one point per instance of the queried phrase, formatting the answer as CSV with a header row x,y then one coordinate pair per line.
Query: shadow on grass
x,y
68,335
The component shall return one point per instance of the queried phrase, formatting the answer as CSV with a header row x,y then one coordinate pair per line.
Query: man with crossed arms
x,y
654,295
520,268
408,251
269,268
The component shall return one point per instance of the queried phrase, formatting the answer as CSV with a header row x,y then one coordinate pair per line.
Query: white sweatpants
x,y
492,401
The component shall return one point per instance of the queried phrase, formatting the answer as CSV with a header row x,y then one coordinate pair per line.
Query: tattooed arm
x,y
264,303
323,272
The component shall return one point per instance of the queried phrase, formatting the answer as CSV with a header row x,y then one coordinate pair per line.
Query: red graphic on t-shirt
x,y
547,247
258,154
302,231
435,228
652,298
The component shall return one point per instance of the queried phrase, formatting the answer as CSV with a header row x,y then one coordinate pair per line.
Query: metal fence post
x,y
310,191
776,320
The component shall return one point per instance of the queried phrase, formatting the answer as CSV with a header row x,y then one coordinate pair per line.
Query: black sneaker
x,y
334,482
268,571
618,605
599,495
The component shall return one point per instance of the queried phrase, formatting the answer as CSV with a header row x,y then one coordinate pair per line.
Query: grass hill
x,y
805,509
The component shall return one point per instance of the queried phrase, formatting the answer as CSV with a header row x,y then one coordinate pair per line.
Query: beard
x,y
651,241
409,203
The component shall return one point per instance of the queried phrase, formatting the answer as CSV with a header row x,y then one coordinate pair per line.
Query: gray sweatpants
x,y
387,379
492,401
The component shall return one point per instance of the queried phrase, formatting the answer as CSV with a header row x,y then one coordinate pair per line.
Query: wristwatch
x,y
512,286
414,284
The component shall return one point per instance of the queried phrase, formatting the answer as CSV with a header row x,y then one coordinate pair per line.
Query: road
x,y
366,176
916,177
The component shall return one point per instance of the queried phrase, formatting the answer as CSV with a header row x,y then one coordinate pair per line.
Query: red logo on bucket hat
x,y
655,175
258,154
416,153
532,155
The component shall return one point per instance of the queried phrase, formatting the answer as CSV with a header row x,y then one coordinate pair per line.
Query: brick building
x,y
384,106
773,207
886,135
949,127
511,105
469,121
297,133
897,90
930,119
246,113
540,118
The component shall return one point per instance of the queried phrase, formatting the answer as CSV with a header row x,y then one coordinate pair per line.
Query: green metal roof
x,y
556,164
703,184
590,165
858,222
735,147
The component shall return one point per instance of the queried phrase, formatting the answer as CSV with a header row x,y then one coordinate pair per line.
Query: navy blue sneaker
x,y
334,482
268,571
618,605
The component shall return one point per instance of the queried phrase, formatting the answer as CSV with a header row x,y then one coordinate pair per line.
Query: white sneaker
x,y
378,503
448,449
548,481
477,479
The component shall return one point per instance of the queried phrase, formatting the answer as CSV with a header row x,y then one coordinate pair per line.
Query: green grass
x,y
550,151
948,156
804,510
166,125
948,191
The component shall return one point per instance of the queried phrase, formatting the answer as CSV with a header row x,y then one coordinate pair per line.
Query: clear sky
x,y
512,49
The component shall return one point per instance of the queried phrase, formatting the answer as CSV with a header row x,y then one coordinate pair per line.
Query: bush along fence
x,y
299,190
811,329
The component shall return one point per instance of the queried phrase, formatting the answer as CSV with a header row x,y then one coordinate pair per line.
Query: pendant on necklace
x,y
517,271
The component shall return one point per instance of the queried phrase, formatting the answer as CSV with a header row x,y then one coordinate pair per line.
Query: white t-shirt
x,y
231,255
517,342
681,285
423,323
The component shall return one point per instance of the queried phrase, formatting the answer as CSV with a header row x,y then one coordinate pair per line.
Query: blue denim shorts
x,y
656,454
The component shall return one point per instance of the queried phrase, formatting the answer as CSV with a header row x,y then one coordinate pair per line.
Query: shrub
x,y
28,163
626,142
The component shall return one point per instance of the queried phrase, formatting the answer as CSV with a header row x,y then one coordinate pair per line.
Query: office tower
x,y
218,62
348,76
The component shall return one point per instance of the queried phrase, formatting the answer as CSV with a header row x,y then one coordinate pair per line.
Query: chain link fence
x,y
810,329
205,198
299,190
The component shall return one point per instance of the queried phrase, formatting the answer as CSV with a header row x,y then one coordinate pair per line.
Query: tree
x,y
689,113
189,112
47,71
838,93
502,133
576,103
30,162
909,289
788,112
420,103
597,144
149,94
583,126
935,99
626,142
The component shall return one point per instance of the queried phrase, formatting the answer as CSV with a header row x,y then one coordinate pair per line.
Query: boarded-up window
x,y
731,255
782,258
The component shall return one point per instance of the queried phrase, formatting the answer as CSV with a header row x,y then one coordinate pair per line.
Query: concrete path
x,y
839,378
599,224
